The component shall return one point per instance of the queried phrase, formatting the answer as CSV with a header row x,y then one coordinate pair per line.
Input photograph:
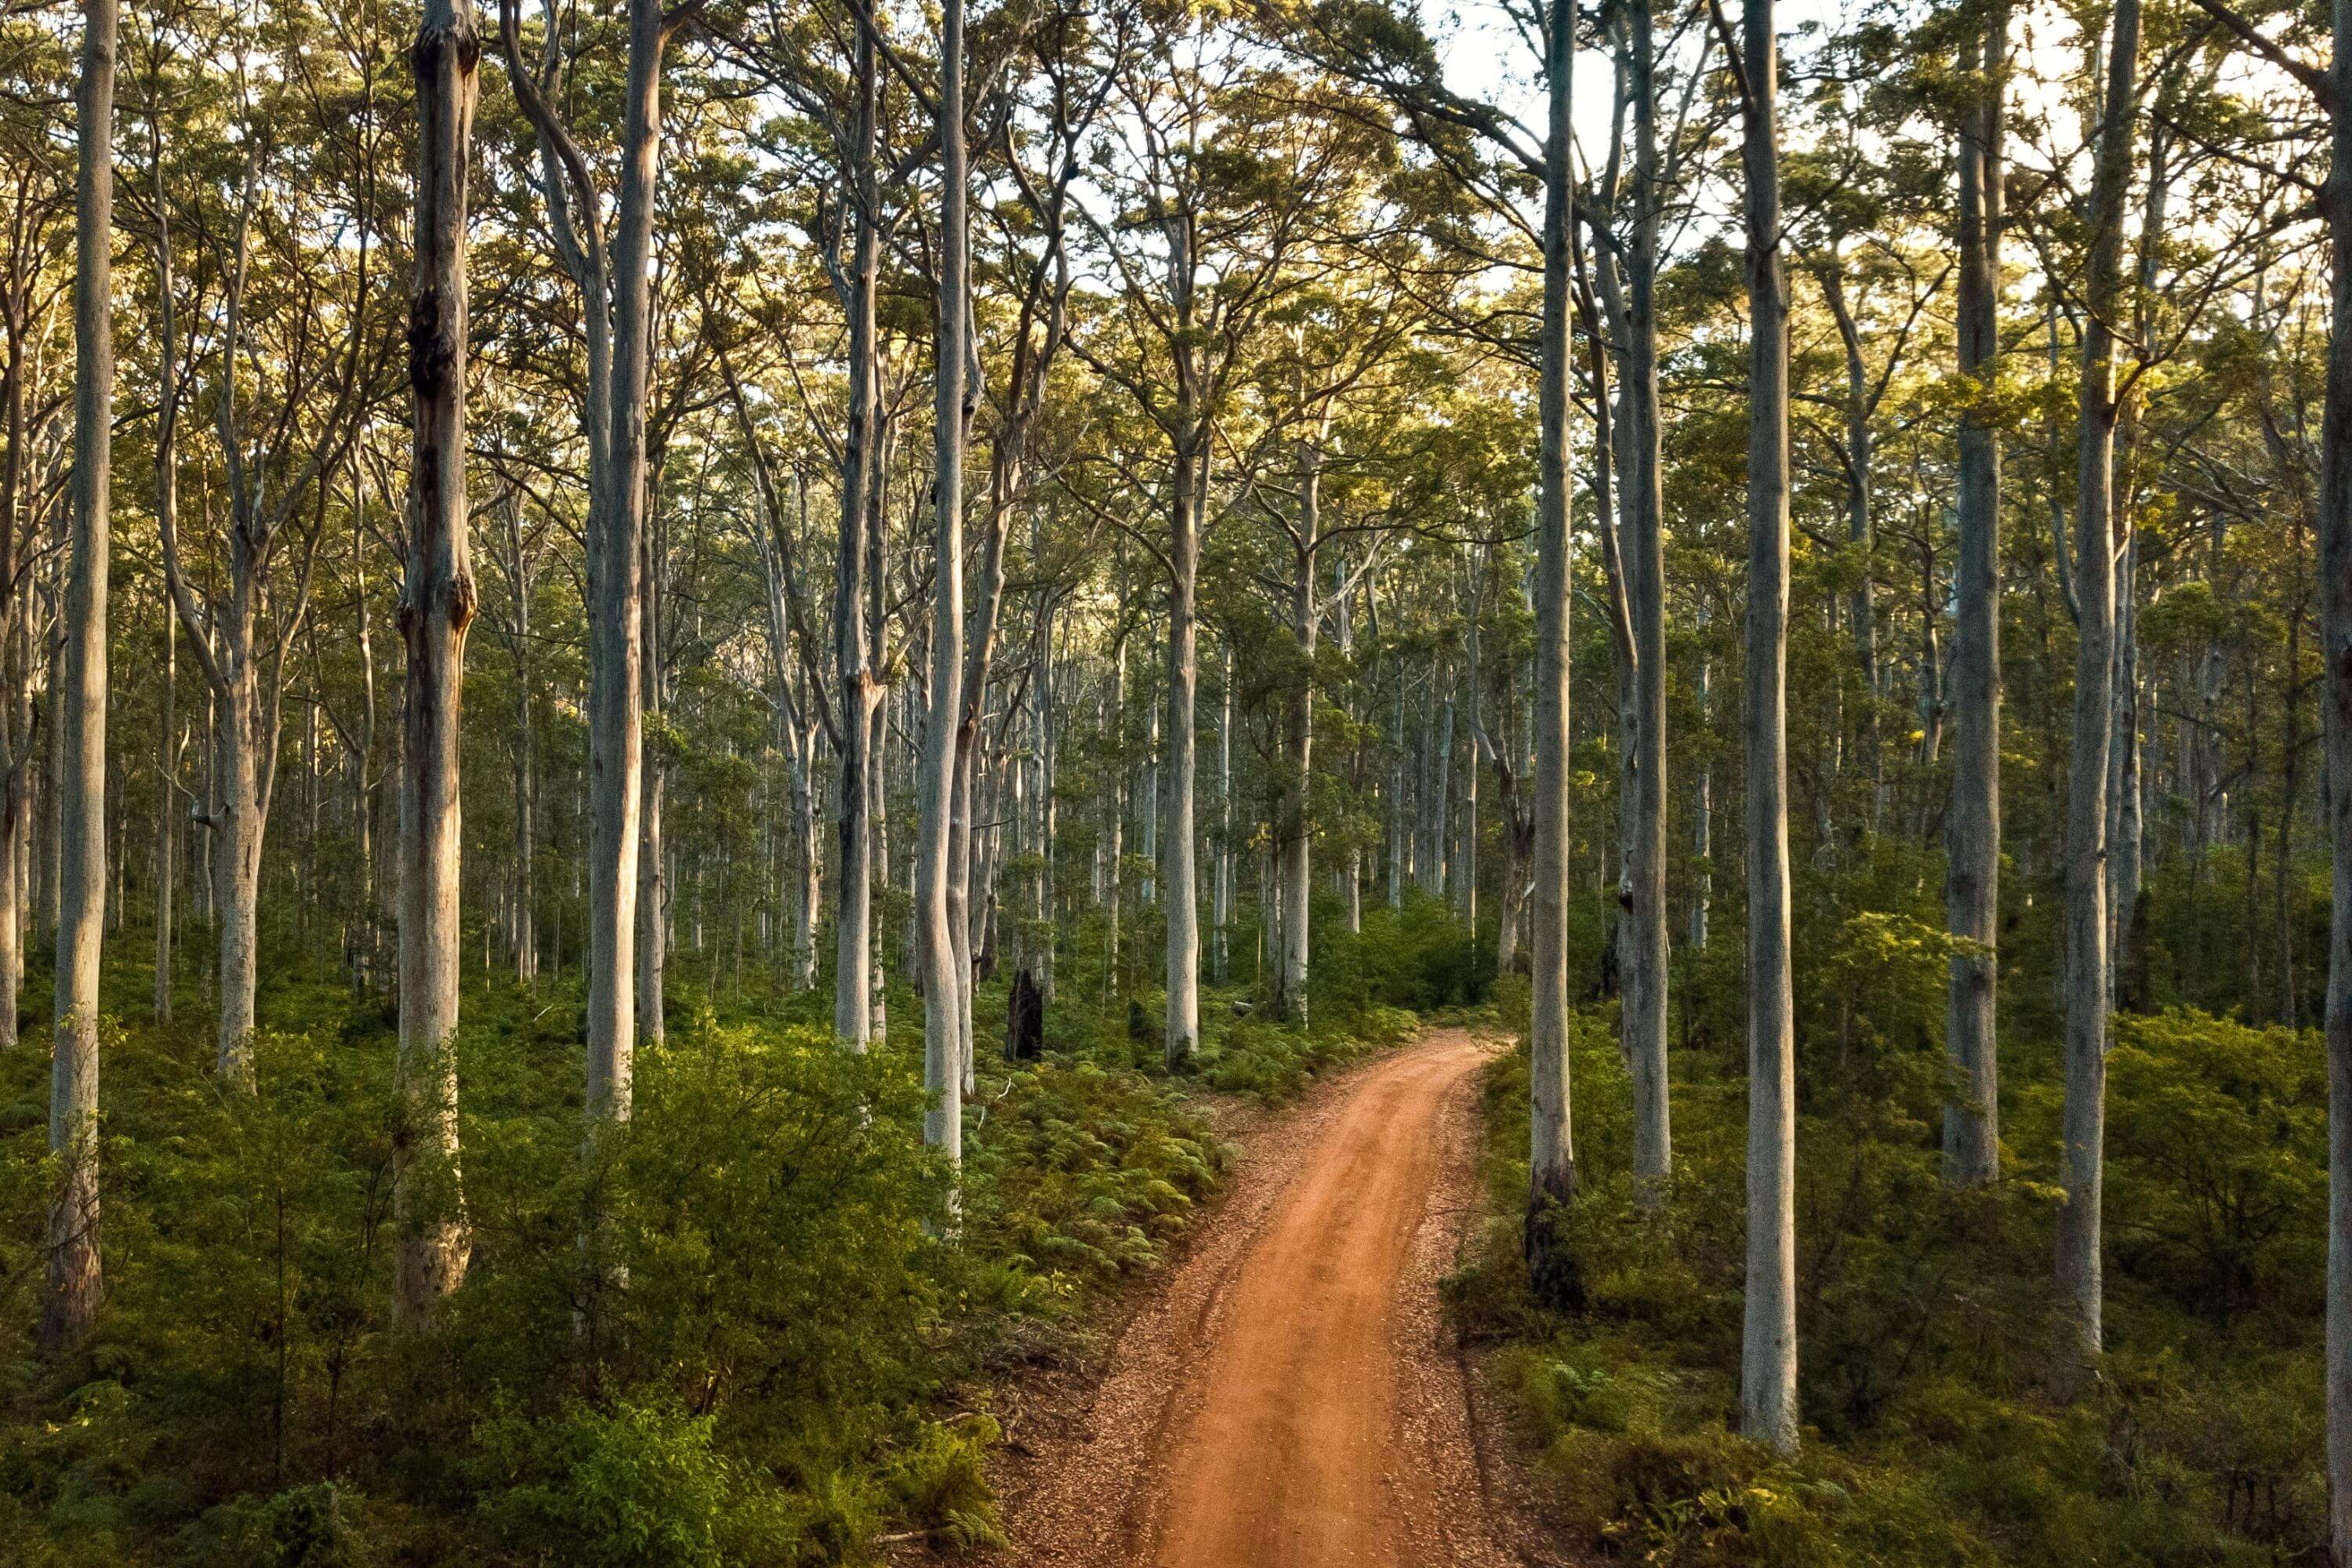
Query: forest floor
x,y
1288,1395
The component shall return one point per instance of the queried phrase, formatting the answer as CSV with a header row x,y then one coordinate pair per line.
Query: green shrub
x,y
632,1487
1933,1435
941,1483
2217,1137
313,1526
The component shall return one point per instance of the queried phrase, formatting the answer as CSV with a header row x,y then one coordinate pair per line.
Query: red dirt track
x,y
1290,1398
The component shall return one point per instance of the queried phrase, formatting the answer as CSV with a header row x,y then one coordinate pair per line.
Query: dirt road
x,y
1290,1399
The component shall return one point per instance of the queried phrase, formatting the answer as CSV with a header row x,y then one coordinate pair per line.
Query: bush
x,y
314,1526
729,1337
633,1487
2218,1137
1924,1315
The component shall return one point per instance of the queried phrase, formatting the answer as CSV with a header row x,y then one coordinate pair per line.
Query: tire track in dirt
x,y
1290,1398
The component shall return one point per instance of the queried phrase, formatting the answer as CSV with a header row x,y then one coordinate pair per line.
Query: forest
x,y
703,707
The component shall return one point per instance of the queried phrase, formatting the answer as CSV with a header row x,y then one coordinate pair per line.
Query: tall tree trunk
x,y
1702,824
1972,886
2124,813
1551,1144
1400,830
15,739
70,1306
1767,1359
1049,808
364,791
1178,847
167,507
1222,895
437,607
243,774
2096,520
167,760
1466,856
1642,499
1293,830
526,764
853,1005
2336,609
653,890
617,596
1188,501
808,855
2126,859
946,978
1114,803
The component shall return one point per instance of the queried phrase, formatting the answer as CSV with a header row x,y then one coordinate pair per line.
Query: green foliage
x,y
1418,956
633,1487
317,1525
1079,1173
1270,1060
740,1333
2218,1137
1933,1437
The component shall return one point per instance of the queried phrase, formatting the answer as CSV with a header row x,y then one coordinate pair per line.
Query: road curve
x,y
1290,1400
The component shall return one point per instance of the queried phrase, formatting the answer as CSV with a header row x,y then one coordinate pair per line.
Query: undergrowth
x,y
787,1350
1933,1434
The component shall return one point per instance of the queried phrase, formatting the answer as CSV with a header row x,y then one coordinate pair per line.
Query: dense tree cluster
x,y
1111,503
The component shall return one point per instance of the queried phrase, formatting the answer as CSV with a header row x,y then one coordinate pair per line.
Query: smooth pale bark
x,y
1972,830
1188,502
69,1305
616,596
2336,609
1518,827
50,819
437,607
519,581
26,285
1768,1356
2084,1126
1177,850
944,976
971,851
1551,1145
653,891
616,311
1701,825
808,859
238,823
1642,890
1861,527
1400,829
1439,832
1048,806
167,507
15,691
1115,804
878,773
167,812
795,734
1465,857
1293,835
2126,818
365,792
247,672
861,691
1148,794
1222,895
1041,328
